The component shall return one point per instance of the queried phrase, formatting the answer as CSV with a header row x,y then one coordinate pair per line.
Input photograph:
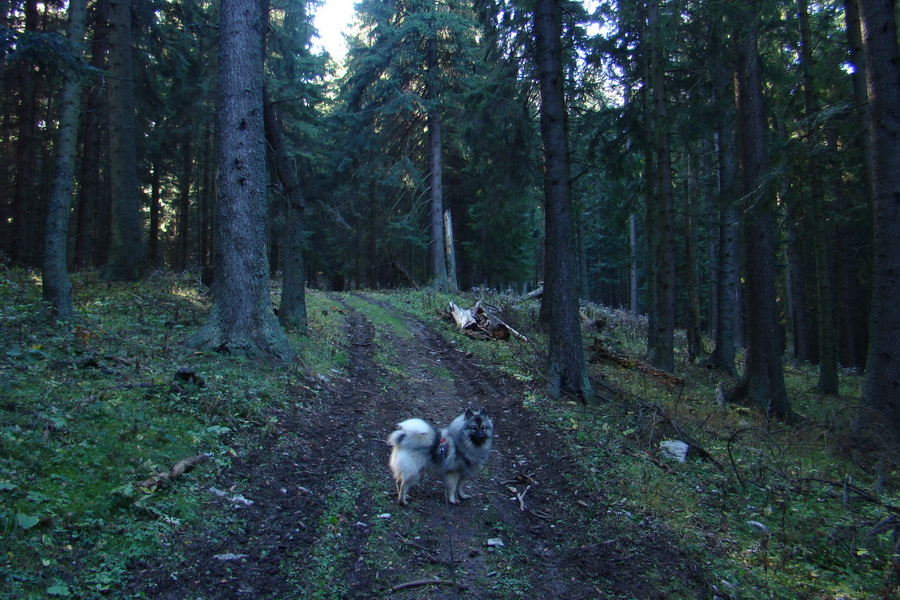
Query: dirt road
x,y
310,512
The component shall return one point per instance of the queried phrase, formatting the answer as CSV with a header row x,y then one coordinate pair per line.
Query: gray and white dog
x,y
454,453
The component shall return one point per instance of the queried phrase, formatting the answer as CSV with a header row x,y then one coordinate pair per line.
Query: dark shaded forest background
x,y
725,176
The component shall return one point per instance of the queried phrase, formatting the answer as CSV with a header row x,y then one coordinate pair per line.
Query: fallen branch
x,y
600,353
180,468
861,493
419,583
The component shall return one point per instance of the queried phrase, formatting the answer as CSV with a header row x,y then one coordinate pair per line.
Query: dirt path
x,y
323,522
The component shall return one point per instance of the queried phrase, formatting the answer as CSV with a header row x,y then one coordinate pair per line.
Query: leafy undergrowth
x,y
91,409
773,511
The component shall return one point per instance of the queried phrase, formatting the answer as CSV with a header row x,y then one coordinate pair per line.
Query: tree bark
x,y
567,368
450,252
184,198
436,170
88,251
126,253
292,312
722,357
633,280
881,386
241,321
828,348
661,353
57,289
23,192
763,380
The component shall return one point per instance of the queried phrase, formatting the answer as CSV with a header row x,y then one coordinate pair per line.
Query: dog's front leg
x,y
451,484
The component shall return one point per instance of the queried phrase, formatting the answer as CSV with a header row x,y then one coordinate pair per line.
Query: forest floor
x,y
293,497
324,522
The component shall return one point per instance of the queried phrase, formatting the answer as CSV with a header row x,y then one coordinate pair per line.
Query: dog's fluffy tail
x,y
413,433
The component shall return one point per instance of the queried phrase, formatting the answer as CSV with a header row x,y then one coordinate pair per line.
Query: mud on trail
x,y
311,512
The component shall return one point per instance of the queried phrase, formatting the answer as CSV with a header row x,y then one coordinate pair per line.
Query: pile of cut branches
x,y
482,324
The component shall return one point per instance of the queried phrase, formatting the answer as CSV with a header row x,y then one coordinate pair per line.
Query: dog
x,y
454,454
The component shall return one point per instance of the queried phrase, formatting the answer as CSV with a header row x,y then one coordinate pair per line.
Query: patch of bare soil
x,y
559,541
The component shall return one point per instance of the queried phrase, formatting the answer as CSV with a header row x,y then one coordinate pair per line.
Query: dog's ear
x,y
483,412
469,413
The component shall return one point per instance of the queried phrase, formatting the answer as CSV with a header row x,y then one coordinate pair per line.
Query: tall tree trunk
x,y
633,287
292,312
23,193
661,353
57,289
881,387
854,296
184,200
567,369
154,258
436,170
860,94
241,320
450,252
126,254
89,190
691,235
763,380
207,194
828,348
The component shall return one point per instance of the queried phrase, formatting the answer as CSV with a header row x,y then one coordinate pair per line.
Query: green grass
x,y
816,545
91,408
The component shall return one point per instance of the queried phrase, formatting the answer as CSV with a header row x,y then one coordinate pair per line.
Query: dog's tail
x,y
413,433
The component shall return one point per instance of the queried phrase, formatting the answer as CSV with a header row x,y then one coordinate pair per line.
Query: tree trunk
x,y
184,199
292,312
881,387
661,353
763,380
126,253
828,349
860,94
57,289
86,242
633,288
436,169
691,225
241,320
154,258
567,369
722,357
450,252
23,193
207,194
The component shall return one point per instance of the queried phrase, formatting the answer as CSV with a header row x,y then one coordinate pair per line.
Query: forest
x,y
724,174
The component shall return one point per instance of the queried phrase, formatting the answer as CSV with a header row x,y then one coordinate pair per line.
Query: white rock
x,y
674,449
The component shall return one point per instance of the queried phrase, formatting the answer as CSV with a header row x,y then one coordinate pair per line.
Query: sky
x,y
332,18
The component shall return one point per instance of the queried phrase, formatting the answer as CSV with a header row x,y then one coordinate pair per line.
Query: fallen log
x,y
479,323
462,316
601,353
